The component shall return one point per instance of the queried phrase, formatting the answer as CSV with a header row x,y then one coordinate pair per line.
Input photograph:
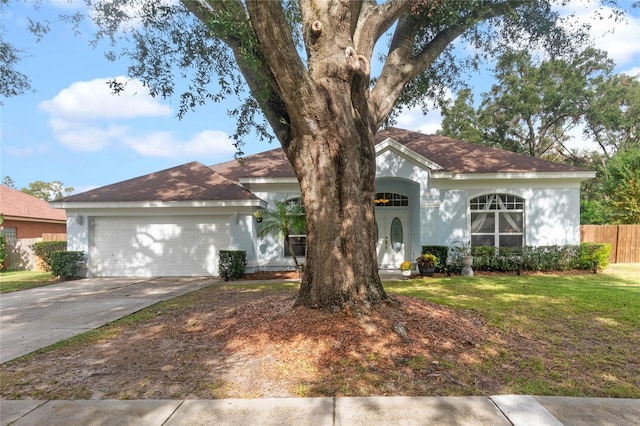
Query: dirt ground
x,y
234,342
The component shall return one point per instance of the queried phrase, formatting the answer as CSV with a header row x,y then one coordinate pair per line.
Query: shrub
x,y
66,264
232,263
44,249
541,258
591,253
441,252
3,251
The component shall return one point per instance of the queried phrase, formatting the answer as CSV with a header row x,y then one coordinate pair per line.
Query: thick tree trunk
x,y
336,170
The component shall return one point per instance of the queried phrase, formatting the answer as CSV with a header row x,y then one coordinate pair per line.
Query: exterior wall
x,y
552,211
31,229
20,255
268,251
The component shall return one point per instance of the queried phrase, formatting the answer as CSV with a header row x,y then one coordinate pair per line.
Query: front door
x,y
393,239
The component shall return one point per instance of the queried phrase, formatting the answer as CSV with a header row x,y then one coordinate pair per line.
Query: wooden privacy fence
x,y
20,255
624,240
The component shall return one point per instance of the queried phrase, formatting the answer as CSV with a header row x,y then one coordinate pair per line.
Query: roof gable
x,y
188,182
20,205
457,156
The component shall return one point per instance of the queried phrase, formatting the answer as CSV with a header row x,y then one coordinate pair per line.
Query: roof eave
x,y
581,175
35,219
266,180
158,204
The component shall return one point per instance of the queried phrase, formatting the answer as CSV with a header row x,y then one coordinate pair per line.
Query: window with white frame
x,y
497,220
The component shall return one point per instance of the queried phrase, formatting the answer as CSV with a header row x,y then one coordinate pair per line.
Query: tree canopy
x,y
532,107
47,191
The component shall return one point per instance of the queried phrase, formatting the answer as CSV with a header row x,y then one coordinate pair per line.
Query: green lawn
x,y
583,330
23,280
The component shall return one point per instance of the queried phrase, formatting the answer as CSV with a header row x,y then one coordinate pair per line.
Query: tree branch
x,y
402,66
374,21
229,21
280,54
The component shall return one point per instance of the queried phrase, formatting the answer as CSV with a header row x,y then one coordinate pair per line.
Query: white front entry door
x,y
393,239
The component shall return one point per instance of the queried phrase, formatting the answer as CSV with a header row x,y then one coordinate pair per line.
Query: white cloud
x,y
163,144
92,100
79,136
619,39
635,71
87,117
25,151
414,119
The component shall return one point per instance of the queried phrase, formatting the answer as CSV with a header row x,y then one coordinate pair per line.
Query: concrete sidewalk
x,y
39,317
518,410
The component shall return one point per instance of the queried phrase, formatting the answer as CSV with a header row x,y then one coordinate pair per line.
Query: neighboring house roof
x,y
189,182
452,155
17,205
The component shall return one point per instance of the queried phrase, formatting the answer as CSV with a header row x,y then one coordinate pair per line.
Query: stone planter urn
x,y
467,266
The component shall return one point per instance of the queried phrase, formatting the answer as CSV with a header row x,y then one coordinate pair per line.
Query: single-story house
x,y
26,220
431,190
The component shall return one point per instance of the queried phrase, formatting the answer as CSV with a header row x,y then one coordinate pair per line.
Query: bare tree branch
x,y
402,65
280,54
259,78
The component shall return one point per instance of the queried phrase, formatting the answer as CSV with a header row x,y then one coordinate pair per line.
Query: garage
x,y
146,246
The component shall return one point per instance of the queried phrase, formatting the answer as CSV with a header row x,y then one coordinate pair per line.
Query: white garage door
x,y
158,246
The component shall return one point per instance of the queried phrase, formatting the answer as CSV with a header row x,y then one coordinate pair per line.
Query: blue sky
x,y
71,129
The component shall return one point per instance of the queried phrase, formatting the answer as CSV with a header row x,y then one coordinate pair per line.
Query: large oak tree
x,y
311,68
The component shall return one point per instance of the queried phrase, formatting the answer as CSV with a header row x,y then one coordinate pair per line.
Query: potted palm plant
x,y
427,264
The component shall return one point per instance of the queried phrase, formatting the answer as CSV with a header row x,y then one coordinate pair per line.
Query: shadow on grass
x,y
545,335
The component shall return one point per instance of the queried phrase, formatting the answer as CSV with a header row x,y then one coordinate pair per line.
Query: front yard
x,y
544,334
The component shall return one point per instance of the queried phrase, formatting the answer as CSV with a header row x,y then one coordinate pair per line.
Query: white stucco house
x,y
431,190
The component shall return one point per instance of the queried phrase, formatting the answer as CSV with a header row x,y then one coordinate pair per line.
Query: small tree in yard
x,y
287,218
308,65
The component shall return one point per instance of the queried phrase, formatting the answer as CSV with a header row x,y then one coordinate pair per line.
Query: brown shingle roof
x,y
188,182
272,163
457,156
18,204
453,155
197,182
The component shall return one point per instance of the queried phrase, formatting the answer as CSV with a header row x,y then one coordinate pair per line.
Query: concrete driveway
x,y
36,318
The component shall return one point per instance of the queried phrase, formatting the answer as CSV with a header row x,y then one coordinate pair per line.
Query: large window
x,y
497,220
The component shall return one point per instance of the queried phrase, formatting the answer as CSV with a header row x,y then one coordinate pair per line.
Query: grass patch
x,y
580,332
23,280
541,334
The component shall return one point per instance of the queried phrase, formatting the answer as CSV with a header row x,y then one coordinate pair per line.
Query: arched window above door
x,y
391,199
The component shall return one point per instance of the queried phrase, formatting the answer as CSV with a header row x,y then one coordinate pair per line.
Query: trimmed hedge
x,y
541,258
231,264
44,249
66,264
